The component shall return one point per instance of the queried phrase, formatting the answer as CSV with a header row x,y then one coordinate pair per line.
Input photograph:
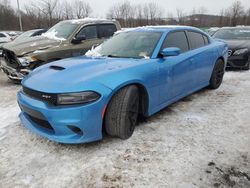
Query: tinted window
x,y
2,35
106,31
196,40
89,32
38,33
237,33
176,39
206,40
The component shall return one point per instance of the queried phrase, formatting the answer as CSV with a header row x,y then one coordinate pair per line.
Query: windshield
x,y
233,34
60,31
128,45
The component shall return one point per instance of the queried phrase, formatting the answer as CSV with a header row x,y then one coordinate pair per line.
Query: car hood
x,y
238,44
31,44
73,74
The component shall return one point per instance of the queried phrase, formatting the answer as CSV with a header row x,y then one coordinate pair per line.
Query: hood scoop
x,y
54,67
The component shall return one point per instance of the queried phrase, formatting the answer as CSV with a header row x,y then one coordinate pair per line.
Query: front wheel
x,y
122,112
217,75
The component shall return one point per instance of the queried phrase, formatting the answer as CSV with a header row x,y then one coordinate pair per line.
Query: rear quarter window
x,y
106,30
196,40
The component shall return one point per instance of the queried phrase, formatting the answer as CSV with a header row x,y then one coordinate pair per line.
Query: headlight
x,y
240,51
1,52
25,61
77,98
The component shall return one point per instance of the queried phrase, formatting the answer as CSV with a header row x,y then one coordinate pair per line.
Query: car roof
x,y
89,20
162,28
237,27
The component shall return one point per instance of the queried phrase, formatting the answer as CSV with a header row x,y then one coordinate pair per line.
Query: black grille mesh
x,y
46,97
10,58
42,123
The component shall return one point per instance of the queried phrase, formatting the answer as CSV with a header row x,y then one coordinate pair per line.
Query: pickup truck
x,y
67,38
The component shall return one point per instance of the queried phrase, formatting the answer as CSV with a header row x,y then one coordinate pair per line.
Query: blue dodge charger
x,y
135,73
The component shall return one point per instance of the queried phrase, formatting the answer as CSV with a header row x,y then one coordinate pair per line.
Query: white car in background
x,y
4,37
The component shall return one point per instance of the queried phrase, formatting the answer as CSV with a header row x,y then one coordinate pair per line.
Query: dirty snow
x,y
200,141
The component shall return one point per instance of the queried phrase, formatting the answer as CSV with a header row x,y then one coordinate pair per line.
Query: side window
x,y
206,40
89,32
106,30
196,40
2,35
177,39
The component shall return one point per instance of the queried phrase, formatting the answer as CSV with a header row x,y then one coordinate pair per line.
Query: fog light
x,y
75,129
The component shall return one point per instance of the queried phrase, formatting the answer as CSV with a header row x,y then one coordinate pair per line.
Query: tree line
x,y
45,13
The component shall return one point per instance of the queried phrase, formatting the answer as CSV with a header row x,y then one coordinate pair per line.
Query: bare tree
x,y
82,9
201,12
236,10
180,16
67,11
146,13
139,14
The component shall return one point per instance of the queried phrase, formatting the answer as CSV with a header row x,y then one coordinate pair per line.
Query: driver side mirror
x,y
171,51
78,39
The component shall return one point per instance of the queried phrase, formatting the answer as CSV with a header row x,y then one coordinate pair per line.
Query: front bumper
x,y
240,61
12,73
68,124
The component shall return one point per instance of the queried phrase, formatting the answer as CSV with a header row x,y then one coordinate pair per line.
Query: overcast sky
x,y
101,7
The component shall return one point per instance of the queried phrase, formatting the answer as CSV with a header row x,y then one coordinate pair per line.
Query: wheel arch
x,y
143,97
221,58
143,92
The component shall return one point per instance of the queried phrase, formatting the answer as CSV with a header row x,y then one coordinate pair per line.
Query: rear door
x,y
106,30
177,72
203,56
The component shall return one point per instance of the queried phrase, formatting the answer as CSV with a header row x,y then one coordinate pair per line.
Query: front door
x,y
91,38
176,72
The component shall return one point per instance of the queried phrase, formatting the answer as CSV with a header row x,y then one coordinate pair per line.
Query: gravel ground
x,y
201,141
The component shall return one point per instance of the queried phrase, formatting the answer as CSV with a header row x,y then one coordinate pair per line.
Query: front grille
x,y
42,123
10,58
46,97
239,63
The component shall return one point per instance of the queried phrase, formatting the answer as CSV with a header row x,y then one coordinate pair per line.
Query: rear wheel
x,y
122,112
217,75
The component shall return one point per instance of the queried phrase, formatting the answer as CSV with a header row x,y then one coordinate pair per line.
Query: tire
x,y
217,75
122,113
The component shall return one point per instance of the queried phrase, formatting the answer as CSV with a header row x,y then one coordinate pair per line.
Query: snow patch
x,y
87,19
52,35
8,117
93,52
